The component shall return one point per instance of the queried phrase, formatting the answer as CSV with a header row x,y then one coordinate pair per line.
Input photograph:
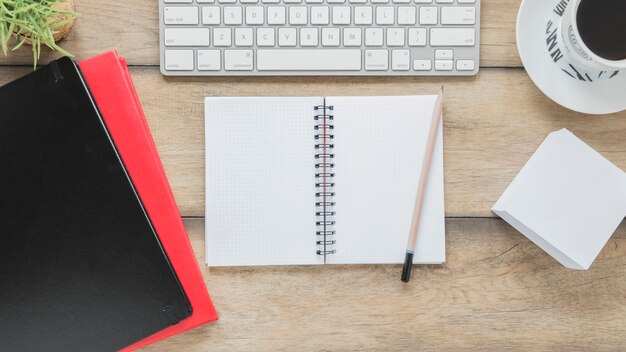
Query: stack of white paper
x,y
568,200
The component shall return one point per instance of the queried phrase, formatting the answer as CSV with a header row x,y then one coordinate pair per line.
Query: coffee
x,y
602,27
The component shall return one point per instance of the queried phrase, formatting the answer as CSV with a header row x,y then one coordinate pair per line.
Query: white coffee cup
x,y
577,48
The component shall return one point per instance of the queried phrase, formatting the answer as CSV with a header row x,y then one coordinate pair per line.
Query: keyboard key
x,y
466,1
320,15
244,37
222,37
417,36
423,1
395,36
309,60
458,15
373,37
330,36
385,15
428,15
357,1
209,60
352,37
314,1
265,37
445,1
227,1
309,37
180,15
187,37
292,1
276,15
363,15
406,15
422,65
400,60
233,15
341,14
444,54
336,1
452,37
298,15
238,60
287,37
401,1
465,65
379,1
177,1
179,60
443,65
270,1
254,15
204,1
211,15
248,1
376,60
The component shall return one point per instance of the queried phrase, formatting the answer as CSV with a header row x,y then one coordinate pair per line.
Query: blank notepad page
x,y
379,147
260,174
261,184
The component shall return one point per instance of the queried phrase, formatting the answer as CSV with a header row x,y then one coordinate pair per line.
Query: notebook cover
x,y
113,90
81,267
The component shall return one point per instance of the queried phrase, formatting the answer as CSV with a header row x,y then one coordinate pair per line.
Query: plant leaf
x,y
31,20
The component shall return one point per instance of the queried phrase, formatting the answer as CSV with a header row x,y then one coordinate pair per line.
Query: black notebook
x,y
81,268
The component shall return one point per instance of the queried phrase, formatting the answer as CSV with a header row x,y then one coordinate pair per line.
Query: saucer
x,y
554,72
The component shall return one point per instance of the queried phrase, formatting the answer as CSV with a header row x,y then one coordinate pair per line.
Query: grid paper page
x,y
379,148
260,176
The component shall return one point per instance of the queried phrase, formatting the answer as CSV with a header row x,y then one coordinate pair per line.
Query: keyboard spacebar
x,y
308,60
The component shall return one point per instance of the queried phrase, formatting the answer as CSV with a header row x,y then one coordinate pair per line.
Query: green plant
x,y
32,22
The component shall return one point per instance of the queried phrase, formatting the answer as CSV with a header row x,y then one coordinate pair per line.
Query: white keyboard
x,y
319,37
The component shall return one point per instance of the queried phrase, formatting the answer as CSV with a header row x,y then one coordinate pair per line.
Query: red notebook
x,y
111,86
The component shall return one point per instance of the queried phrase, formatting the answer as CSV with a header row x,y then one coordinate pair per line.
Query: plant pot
x,y
60,32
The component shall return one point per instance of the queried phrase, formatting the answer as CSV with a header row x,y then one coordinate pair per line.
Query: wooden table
x,y
497,290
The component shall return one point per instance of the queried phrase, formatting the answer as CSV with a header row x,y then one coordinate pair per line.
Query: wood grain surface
x,y
497,291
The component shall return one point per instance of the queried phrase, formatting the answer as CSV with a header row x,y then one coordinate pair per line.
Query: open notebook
x,y
313,180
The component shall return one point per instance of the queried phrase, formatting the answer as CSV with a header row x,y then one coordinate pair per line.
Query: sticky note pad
x,y
568,199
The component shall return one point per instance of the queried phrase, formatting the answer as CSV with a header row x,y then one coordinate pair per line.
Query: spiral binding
x,y
324,213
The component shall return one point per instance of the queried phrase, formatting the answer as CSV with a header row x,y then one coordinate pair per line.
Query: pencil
x,y
421,190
